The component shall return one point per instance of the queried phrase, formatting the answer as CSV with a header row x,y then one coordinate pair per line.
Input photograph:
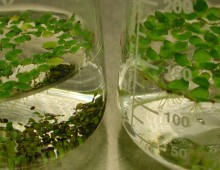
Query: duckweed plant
x,y
187,41
47,138
58,38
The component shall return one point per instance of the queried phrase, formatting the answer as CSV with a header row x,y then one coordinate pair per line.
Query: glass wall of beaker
x,y
169,82
52,83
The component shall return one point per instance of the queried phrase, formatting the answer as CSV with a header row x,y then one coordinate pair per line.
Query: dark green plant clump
x,y
48,138
185,48
51,37
190,155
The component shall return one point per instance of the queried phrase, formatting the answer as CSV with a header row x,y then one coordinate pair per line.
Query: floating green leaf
x,y
9,85
150,25
26,61
155,36
67,26
22,38
200,6
15,63
17,51
190,16
40,28
51,28
44,18
49,45
208,65
202,82
24,77
61,41
3,64
7,71
64,36
212,17
39,59
34,73
180,46
194,40
47,34
166,53
194,27
215,53
43,68
60,53
4,19
11,33
5,40
178,22
181,59
204,46
23,86
168,44
77,29
70,43
9,126
161,17
4,94
210,37
25,16
215,29
12,55
201,56
178,85
200,94
152,54
213,14
26,26
214,11
47,55
181,36
161,29
55,61
74,49
8,45
59,48
216,78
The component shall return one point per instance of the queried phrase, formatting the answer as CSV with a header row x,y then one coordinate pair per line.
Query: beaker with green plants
x,y
169,81
52,84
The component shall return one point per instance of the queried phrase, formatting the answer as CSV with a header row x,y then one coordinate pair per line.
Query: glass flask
x,y
169,81
52,84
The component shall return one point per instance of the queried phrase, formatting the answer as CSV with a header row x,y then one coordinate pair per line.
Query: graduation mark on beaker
x,y
7,2
149,2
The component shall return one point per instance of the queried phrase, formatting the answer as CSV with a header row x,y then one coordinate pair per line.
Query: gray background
x,y
110,147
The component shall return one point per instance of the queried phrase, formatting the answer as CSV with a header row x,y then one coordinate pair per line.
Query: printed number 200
x,y
178,6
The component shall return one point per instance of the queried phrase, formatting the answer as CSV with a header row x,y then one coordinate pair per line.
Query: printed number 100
x,y
177,120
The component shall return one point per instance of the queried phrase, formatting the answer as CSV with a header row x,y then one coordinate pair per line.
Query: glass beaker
x,y
52,84
169,82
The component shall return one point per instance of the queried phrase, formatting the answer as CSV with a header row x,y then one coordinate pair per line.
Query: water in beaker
x,y
169,85
52,85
